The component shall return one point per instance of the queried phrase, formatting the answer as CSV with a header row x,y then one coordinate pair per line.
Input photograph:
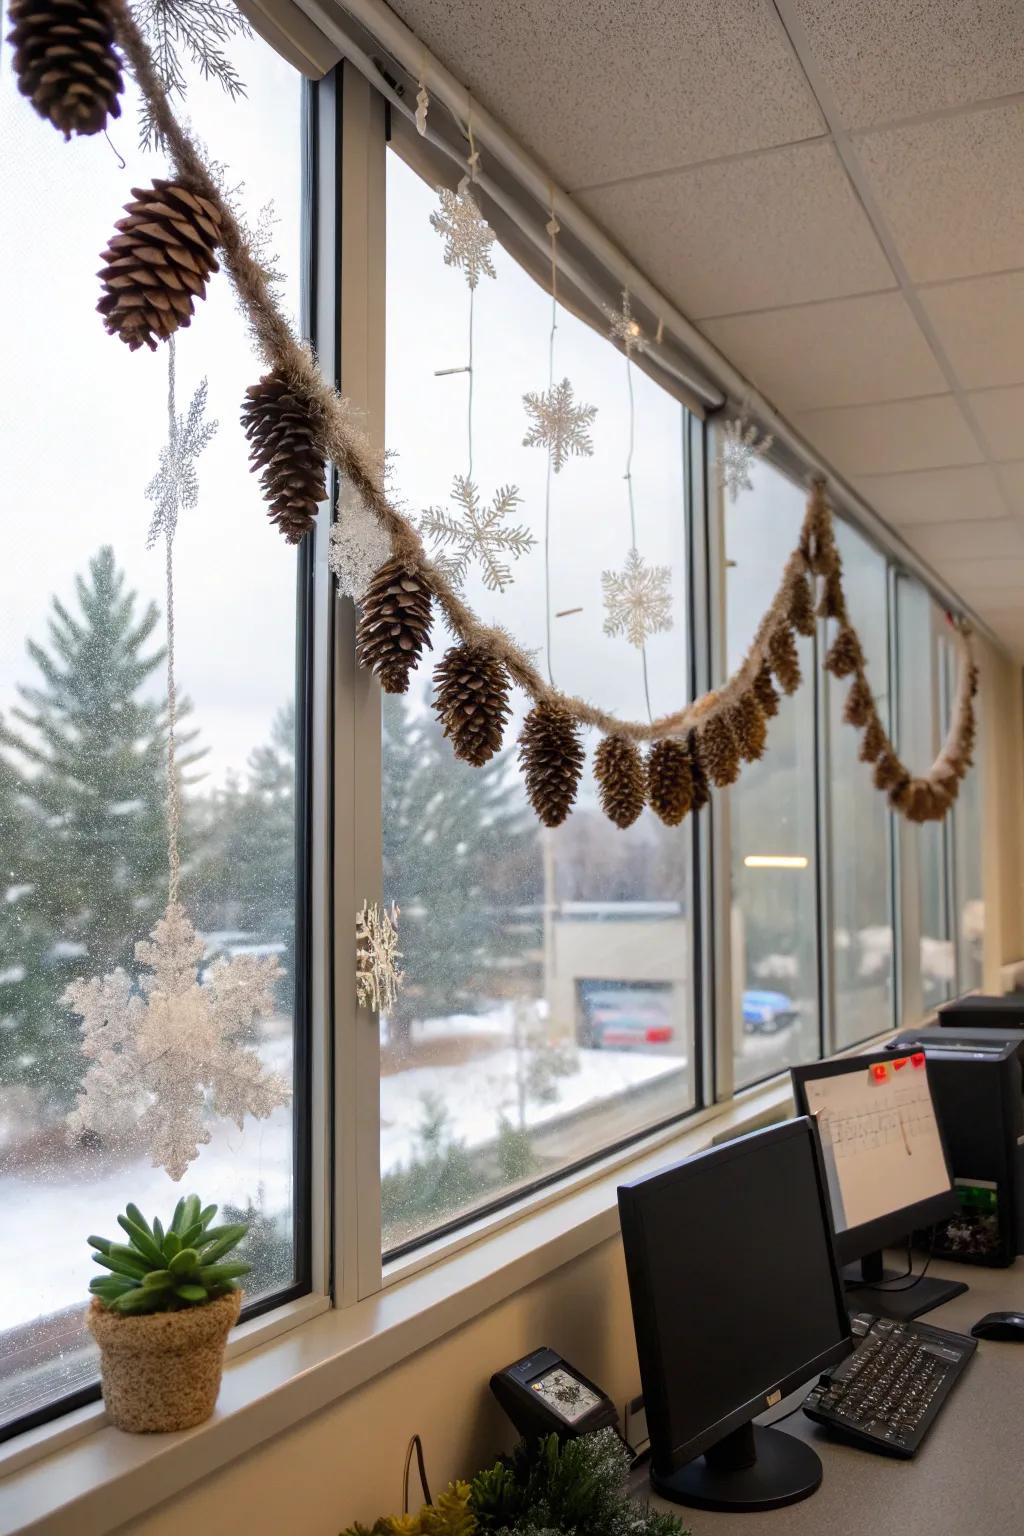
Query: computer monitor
x,y
736,1301
886,1167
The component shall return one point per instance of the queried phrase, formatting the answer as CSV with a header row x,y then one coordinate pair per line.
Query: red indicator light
x,y
879,1071
918,1058
903,1061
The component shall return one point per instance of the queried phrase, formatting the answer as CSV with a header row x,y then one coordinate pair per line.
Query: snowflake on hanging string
x,y
163,1054
378,977
477,534
559,425
422,108
622,326
359,546
175,486
466,233
738,447
637,599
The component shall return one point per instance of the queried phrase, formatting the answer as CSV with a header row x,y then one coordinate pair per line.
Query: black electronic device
x,y
982,1010
1008,1327
886,1169
543,1394
736,1302
887,1395
977,1078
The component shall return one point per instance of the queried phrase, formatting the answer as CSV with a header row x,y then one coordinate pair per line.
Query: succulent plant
x,y
164,1271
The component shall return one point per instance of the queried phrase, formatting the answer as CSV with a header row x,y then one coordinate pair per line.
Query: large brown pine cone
x,y
844,655
551,756
66,63
394,625
784,659
471,701
800,607
286,433
158,263
701,789
765,690
749,726
670,781
619,772
719,749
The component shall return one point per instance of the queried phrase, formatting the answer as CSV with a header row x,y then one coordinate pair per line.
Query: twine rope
x,y
173,791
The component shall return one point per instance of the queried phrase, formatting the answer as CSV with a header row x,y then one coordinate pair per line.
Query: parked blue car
x,y
767,1012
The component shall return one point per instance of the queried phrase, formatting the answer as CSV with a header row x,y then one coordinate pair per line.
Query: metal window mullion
x,y
701,926
717,831
827,1021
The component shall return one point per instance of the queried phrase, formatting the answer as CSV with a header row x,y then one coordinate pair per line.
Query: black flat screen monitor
x,y
736,1301
886,1167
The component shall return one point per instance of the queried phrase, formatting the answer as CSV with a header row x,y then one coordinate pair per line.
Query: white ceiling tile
x,y
885,61
905,434
952,191
778,228
944,544
1012,477
1001,415
980,323
933,495
990,575
613,88
843,352
1008,622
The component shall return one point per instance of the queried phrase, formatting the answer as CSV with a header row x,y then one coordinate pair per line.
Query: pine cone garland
x,y
749,727
844,654
285,433
889,771
859,708
719,750
619,772
471,702
394,625
800,608
833,602
551,757
874,741
784,659
65,62
158,263
701,792
765,691
669,781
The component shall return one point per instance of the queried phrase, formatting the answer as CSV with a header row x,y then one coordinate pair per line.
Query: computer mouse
x,y
1007,1326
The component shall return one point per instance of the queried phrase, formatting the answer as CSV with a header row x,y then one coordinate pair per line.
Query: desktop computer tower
x,y
983,1010
978,1088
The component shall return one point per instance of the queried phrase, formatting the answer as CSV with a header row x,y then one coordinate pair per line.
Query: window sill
x,y
81,1477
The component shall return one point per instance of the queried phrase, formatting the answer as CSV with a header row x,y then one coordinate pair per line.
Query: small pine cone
x,y
719,750
66,63
670,781
784,659
766,693
889,772
701,791
859,708
471,702
975,679
833,602
158,263
394,625
619,771
749,726
904,797
800,608
874,741
551,756
285,433
818,545
844,654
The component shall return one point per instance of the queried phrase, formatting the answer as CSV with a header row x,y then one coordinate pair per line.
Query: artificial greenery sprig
x,y
165,1271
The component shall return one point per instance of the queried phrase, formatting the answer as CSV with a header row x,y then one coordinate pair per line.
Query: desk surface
x,y
966,1477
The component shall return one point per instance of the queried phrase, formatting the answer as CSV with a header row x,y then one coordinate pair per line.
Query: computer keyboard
x,y
887,1394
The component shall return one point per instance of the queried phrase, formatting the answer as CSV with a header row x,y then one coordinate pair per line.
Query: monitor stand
x,y
860,1280
751,1469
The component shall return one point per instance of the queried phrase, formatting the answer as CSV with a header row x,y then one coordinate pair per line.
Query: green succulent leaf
x,y
139,1300
158,1230
226,1239
134,1214
141,1240
217,1274
158,1280
206,1215
136,1266
102,1243
191,1292
184,1262
176,1219
171,1245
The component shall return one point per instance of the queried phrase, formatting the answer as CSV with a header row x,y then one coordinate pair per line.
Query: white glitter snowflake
x,y
637,599
738,447
358,545
422,108
623,328
559,425
478,534
175,486
165,1053
378,978
467,235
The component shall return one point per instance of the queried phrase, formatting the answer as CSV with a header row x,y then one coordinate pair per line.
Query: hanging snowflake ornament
x,y
175,486
358,545
738,447
378,978
623,328
637,599
422,108
559,425
466,233
165,1054
477,534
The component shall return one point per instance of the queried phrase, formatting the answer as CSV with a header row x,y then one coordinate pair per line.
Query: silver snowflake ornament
x,y
623,328
378,977
477,534
559,424
738,447
637,599
175,486
466,233
358,546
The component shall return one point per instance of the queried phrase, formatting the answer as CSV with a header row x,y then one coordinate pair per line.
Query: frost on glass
x,y
83,844
545,1009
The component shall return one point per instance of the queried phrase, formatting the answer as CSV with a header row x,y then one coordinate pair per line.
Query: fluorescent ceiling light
x,y
775,861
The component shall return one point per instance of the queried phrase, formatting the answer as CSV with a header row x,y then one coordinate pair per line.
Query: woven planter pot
x,y
162,1370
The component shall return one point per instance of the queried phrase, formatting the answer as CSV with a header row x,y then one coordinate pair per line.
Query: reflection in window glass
x,y
965,834
82,706
546,1008
862,947
771,808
